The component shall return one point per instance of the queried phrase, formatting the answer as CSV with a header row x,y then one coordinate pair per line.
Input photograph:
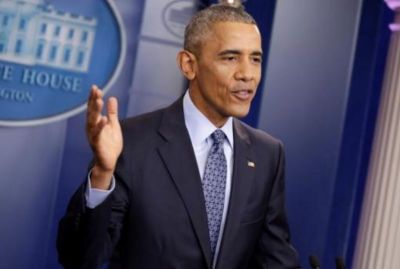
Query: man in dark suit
x,y
188,186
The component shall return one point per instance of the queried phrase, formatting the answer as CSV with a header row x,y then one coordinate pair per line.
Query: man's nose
x,y
245,71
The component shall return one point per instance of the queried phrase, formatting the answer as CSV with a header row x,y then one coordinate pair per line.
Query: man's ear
x,y
187,64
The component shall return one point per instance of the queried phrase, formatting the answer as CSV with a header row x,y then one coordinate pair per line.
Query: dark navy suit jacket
x,y
156,218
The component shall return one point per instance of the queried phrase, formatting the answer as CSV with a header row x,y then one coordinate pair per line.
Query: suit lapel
x,y
242,180
178,156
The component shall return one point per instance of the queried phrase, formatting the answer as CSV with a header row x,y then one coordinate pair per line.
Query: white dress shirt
x,y
200,129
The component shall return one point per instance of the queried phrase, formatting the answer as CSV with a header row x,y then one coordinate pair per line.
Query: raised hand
x,y
104,136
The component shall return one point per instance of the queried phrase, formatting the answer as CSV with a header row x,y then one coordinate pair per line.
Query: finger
x,y
112,110
94,115
98,92
95,107
93,93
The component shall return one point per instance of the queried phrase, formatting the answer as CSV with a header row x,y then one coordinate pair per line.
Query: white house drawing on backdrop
x,y
33,32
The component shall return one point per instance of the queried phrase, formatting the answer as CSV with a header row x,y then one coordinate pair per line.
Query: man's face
x,y
227,71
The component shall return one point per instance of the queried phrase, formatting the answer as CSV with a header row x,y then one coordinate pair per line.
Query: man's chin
x,y
240,113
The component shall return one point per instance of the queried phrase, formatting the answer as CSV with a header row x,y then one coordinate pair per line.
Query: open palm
x,y
103,131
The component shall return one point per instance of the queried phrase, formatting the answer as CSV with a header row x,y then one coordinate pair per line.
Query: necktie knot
x,y
218,137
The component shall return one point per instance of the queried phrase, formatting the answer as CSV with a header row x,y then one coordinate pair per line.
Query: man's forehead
x,y
233,25
231,33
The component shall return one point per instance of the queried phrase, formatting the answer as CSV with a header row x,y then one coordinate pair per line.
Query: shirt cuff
x,y
94,196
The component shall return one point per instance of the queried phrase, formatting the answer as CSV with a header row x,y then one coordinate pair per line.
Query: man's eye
x,y
229,58
257,60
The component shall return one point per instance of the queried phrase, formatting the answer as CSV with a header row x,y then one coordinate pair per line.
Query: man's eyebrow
x,y
226,52
257,53
237,52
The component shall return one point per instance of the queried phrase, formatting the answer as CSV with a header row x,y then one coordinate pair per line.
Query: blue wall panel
x,y
323,79
363,102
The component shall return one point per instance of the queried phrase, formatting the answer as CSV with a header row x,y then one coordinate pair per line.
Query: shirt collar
x,y
199,127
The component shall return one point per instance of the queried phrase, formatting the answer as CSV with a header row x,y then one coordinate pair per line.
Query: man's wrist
x,y
100,178
95,197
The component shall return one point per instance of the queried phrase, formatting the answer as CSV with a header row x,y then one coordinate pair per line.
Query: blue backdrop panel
x,y
304,105
42,165
362,106
51,52
30,163
322,84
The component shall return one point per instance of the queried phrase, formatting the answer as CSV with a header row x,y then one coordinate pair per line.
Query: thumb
x,y
112,110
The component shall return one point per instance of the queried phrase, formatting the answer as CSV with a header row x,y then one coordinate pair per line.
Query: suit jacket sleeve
x,y
274,250
87,237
